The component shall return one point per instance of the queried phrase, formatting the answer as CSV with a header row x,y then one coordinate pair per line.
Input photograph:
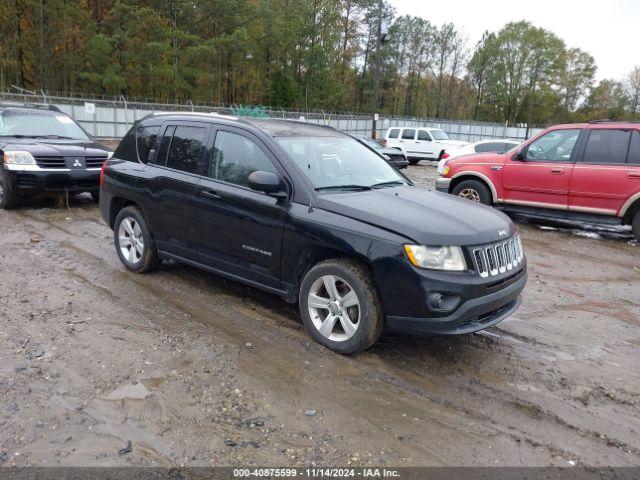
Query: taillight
x,y
383,142
445,155
104,166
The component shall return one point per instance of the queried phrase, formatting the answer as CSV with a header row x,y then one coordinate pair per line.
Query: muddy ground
x,y
196,370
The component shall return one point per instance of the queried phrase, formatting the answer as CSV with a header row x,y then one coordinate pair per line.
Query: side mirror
x,y
266,182
152,155
520,155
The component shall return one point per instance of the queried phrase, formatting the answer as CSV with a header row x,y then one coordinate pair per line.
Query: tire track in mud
x,y
70,262
368,366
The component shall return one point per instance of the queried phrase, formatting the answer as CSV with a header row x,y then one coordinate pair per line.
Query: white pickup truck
x,y
420,143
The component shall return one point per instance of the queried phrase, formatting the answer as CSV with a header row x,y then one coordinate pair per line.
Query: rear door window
x,y
424,135
394,133
607,146
408,134
634,148
186,151
163,149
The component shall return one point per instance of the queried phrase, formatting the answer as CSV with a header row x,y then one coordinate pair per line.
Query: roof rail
x,y
613,121
39,106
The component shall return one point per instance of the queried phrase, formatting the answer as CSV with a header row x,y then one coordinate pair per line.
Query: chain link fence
x,y
112,118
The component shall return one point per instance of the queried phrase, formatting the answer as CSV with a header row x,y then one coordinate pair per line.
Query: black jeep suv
x,y
310,214
44,150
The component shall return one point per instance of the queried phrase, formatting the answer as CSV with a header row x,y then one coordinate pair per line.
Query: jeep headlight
x,y
19,158
436,258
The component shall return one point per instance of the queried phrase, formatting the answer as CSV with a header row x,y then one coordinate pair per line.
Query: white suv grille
x,y
497,258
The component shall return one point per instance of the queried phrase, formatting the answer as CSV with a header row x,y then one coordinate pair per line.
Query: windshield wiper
x,y
344,187
388,184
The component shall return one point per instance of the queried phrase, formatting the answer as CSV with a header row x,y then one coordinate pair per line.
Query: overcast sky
x,y
607,29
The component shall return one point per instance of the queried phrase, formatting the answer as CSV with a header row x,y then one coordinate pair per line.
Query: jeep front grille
x,y
497,258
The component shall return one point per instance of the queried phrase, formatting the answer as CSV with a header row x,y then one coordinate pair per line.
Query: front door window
x,y
555,146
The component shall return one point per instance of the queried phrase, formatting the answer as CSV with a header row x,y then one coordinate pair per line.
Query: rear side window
x,y
146,140
235,157
606,146
634,148
408,134
424,135
394,132
186,151
126,149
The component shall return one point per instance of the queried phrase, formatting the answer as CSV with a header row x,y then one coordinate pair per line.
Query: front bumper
x,y
471,316
443,184
30,179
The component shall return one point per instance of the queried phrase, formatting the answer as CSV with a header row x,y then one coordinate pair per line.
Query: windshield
x,y
34,124
340,163
439,135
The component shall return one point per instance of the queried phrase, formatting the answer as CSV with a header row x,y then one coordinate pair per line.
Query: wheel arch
x,y
630,208
116,204
462,176
312,255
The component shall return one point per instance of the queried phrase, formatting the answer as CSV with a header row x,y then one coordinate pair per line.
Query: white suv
x,y
419,143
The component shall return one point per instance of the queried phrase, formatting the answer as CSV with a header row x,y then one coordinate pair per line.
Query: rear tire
x,y
8,199
133,241
635,225
340,307
414,161
95,196
473,190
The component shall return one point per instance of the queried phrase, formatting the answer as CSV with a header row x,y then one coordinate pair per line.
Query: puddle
x,y
131,391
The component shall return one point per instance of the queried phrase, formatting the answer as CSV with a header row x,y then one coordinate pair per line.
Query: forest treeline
x,y
310,54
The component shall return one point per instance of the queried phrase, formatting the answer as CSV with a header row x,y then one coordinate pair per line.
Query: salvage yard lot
x,y
196,370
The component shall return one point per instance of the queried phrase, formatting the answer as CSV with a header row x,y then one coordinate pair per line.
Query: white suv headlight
x,y
436,258
19,158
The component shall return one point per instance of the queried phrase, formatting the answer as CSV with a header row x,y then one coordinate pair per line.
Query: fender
x,y
494,192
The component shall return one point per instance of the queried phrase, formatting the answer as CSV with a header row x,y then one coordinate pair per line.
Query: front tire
x,y
8,199
414,161
133,241
340,307
473,190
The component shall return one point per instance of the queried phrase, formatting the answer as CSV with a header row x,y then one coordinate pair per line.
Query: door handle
x,y
633,175
210,194
557,171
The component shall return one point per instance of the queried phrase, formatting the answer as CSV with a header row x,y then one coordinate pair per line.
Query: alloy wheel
x,y
470,194
130,240
334,308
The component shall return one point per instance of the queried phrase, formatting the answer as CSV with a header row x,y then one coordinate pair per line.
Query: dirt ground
x,y
195,370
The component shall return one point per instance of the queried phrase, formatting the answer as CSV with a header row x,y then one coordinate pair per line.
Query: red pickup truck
x,y
578,172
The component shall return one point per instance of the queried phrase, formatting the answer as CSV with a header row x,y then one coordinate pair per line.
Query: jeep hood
x,y
423,216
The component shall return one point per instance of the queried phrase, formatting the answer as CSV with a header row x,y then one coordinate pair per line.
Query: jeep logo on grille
x,y
502,233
